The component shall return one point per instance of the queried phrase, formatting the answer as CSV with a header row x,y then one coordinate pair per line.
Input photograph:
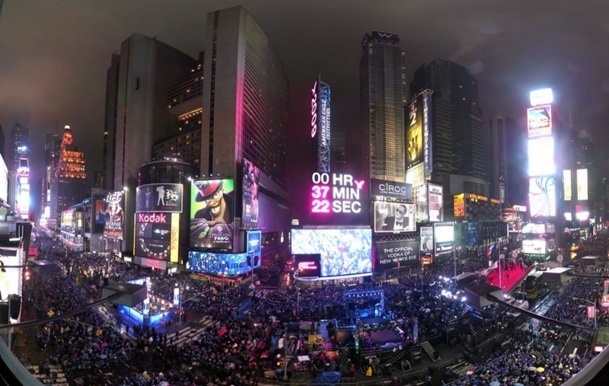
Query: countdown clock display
x,y
336,193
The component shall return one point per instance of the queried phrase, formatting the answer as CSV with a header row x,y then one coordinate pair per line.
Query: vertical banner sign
x,y
427,142
320,124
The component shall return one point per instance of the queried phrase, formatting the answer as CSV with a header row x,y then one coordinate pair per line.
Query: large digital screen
x,y
567,184
541,157
114,215
68,220
159,198
459,205
394,217
435,202
307,265
389,254
537,247
414,132
153,238
222,264
254,245
444,238
344,251
251,183
539,121
336,193
582,184
542,197
211,214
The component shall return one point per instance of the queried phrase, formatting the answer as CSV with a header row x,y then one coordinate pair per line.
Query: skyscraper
x,y
383,94
245,104
136,103
456,127
52,146
19,169
245,98
68,186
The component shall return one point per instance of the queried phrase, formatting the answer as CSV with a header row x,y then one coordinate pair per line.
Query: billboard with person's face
x,y
212,214
394,217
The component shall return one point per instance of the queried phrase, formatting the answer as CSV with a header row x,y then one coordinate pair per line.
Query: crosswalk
x,y
187,334
56,375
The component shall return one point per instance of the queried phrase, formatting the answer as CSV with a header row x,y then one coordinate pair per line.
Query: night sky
x,y
54,55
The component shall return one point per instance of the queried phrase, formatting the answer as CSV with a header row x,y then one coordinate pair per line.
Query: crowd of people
x,y
233,352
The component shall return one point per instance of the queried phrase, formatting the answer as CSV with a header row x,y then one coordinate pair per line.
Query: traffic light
x,y
26,274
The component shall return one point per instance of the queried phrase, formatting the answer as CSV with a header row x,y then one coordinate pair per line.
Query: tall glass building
x,y
383,94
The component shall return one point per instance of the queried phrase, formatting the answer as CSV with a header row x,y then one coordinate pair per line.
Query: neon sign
x,y
336,193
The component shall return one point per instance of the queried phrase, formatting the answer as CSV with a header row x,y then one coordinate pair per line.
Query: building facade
x,y
383,94
68,185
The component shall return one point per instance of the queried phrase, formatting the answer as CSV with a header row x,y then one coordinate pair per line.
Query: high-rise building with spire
x,y
68,184
383,95
19,169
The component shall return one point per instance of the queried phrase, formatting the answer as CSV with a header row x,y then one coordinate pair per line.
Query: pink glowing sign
x,y
336,193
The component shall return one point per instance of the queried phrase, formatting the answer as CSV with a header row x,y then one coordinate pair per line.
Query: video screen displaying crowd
x,y
234,352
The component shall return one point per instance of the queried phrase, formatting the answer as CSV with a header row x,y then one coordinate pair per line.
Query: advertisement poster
x,y
114,215
414,132
223,264
444,238
251,183
211,214
435,202
426,234
542,197
153,235
389,254
394,217
159,198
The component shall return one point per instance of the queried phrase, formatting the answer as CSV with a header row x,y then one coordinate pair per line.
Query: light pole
x,y
590,302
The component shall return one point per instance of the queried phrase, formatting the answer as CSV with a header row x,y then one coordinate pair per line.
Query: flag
x,y
490,250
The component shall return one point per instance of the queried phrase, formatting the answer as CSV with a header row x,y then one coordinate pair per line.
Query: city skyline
x,y
53,72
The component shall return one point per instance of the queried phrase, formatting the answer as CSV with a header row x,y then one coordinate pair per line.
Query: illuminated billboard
x,y
444,238
156,235
251,183
390,254
307,265
222,264
414,133
392,189
159,198
416,177
567,184
336,193
534,247
459,205
534,228
435,202
582,184
543,96
426,236
211,214
542,197
394,217
539,121
67,220
320,124
344,251
114,215
541,157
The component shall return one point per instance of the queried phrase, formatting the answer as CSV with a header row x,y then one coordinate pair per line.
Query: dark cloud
x,y
54,54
